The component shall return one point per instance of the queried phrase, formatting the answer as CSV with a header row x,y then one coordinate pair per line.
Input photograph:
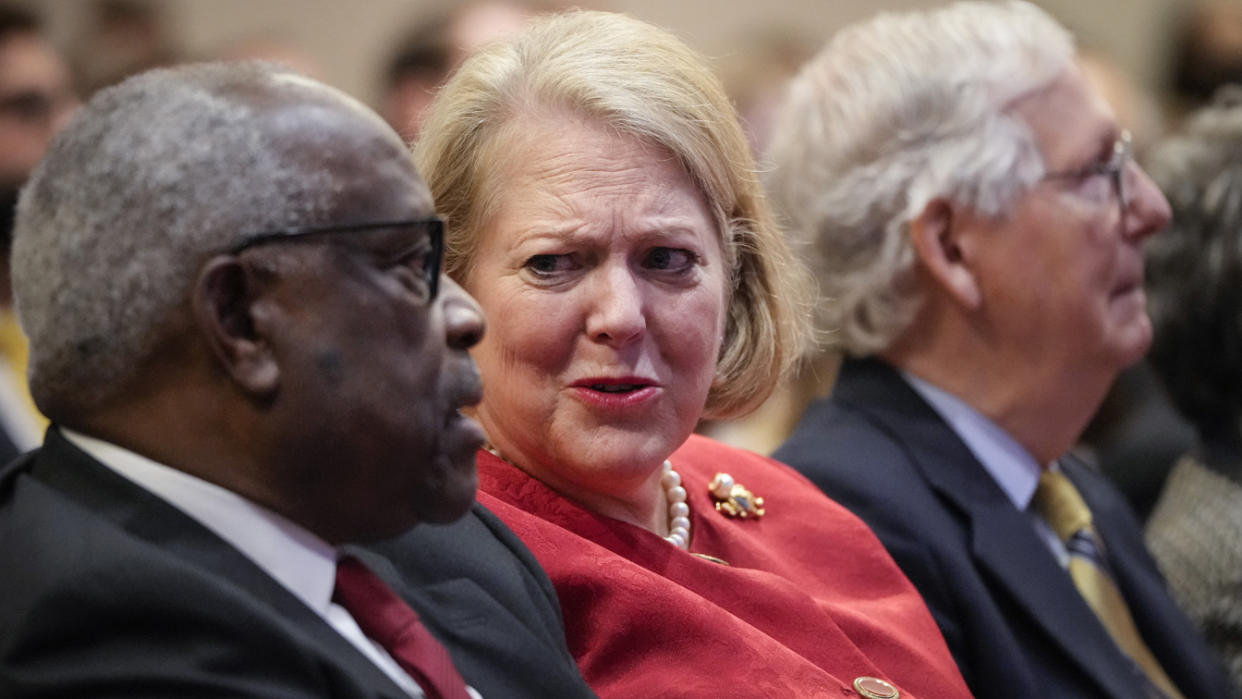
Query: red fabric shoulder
x,y
806,602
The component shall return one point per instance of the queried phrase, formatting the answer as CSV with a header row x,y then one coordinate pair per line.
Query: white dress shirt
x,y
296,558
1010,465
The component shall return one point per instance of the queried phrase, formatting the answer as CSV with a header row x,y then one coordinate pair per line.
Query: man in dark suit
x,y
977,223
230,278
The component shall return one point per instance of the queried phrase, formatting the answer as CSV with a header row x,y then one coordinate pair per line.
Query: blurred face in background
x,y
36,101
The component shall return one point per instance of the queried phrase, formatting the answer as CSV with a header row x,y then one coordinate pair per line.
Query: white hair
x,y
150,178
894,113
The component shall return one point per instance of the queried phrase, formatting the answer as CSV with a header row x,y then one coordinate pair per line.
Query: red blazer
x,y
809,601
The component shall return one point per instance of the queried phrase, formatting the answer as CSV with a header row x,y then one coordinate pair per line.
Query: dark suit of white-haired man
x,y
977,224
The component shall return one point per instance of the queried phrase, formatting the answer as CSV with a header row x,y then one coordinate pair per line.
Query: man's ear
x,y
936,235
224,297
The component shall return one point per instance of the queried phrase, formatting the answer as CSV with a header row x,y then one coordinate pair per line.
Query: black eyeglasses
x,y
1115,168
421,249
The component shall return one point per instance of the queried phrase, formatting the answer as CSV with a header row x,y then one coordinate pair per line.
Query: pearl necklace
x,y
678,510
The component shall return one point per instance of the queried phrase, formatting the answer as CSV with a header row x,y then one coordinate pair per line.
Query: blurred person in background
x,y
977,225
1207,52
425,58
274,48
120,38
756,75
1194,278
607,214
37,97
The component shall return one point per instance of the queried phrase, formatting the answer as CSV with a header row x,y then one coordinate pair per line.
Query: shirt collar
x,y
296,558
1010,465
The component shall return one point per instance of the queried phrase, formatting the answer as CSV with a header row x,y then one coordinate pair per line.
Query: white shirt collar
x,y
1010,465
296,558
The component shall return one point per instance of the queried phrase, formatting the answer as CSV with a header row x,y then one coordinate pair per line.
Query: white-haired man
x,y
978,222
229,274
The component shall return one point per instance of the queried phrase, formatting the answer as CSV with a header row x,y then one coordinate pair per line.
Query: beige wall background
x,y
352,40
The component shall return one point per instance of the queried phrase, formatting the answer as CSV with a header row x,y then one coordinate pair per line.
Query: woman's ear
x,y
224,298
937,237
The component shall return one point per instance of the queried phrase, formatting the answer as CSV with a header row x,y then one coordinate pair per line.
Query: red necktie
x,y
387,619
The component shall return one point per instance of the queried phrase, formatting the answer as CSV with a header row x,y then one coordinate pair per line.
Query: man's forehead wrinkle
x,y
306,89
293,104
1069,119
348,156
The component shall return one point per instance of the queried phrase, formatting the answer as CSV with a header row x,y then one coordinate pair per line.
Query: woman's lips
x,y
615,392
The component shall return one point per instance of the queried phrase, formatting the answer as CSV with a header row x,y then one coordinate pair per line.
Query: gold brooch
x,y
734,499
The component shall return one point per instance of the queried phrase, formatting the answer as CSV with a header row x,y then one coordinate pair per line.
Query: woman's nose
x,y
616,314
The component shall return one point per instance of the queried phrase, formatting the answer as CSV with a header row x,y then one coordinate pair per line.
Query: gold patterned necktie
x,y
1064,509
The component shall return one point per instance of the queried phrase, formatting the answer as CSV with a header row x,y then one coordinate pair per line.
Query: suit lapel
x,y
1004,544
63,466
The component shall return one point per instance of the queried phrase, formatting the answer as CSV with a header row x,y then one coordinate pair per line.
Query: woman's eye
x,y
543,265
670,259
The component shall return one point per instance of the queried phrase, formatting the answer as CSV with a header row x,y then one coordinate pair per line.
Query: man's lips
x,y
1128,273
459,423
470,392
1128,284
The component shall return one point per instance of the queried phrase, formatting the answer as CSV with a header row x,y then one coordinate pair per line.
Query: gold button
x,y
875,688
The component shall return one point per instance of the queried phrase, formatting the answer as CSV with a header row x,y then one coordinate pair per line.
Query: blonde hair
x,y
642,81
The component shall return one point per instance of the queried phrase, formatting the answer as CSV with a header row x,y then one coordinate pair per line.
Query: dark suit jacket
x,y
108,590
8,450
1011,615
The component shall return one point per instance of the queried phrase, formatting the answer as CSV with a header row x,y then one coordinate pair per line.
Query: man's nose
x,y
463,318
1147,212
